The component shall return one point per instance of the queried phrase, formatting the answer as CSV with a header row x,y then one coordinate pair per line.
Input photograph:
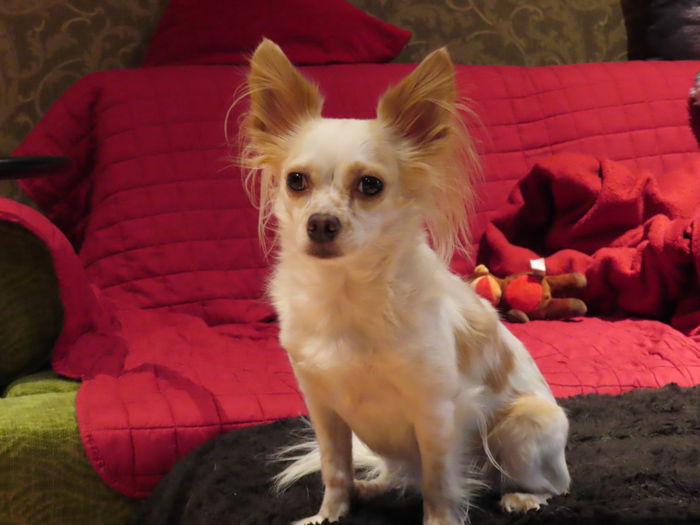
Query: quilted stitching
x,y
166,236
156,410
610,356
169,226
637,114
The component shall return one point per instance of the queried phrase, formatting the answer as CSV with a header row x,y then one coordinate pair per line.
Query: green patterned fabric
x,y
47,382
46,476
518,32
30,305
47,45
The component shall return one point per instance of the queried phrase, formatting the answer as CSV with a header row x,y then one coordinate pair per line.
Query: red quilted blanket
x,y
161,275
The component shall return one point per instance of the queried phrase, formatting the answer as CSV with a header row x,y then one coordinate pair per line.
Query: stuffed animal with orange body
x,y
522,297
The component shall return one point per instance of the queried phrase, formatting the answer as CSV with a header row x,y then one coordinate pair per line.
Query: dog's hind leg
x,y
528,443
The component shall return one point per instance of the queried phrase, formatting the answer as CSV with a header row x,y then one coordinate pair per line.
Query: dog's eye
x,y
370,186
296,181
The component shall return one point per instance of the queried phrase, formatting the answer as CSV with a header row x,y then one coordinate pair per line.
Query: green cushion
x,y
30,303
46,382
46,476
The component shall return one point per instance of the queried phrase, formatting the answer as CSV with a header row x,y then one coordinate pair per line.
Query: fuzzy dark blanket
x,y
634,458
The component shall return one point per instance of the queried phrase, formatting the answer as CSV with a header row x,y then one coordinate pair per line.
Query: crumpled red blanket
x,y
634,234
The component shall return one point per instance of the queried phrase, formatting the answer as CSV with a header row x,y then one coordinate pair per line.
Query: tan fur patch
x,y
532,410
471,345
496,377
466,353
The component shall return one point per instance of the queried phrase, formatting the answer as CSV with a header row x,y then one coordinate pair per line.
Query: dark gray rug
x,y
634,458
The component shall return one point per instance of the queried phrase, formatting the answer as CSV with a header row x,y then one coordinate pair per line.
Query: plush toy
x,y
522,297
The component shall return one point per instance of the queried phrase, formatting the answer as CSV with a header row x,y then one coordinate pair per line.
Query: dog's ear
x,y
438,154
421,106
280,97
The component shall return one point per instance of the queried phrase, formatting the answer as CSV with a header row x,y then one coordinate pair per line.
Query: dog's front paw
x,y
315,520
520,502
441,521
695,91
312,520
325,515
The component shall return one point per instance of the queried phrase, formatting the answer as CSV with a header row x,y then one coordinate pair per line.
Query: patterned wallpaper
x,y
520,32
46,45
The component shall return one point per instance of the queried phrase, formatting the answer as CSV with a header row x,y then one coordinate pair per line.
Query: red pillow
x,y
309,31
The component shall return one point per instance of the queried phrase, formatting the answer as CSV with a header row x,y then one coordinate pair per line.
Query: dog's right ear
x,y
421,107
280,97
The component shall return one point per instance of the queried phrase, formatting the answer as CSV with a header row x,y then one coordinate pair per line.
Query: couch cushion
x,y
29,301
47,478
153,201
46,382
310,32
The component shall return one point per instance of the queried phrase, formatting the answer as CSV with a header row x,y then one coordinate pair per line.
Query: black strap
x,y
31,166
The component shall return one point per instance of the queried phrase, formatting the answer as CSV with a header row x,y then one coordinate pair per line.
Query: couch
x,y
165,337
54,43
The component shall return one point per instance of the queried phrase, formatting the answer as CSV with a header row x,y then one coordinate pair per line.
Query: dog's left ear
x,y
280,97
421,106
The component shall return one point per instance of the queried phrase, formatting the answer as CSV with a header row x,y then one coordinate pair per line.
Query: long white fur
x,y
408,376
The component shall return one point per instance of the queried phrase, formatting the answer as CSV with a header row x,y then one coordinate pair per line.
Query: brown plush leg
x,y
516,316
560,309
565,283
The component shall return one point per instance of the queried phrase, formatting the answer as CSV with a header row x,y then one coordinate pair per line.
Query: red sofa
x,y
162,279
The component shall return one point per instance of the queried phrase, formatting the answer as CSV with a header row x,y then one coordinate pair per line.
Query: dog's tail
x,y
304,458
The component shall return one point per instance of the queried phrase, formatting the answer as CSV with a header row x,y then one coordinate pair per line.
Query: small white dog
x,y
386,343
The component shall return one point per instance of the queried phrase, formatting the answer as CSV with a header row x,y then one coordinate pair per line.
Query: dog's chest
x,y
365,393
355,351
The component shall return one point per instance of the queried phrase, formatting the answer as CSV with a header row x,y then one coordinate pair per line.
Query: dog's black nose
x,y
323,227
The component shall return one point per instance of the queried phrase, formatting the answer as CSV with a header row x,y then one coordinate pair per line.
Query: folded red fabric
x,y
630,231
